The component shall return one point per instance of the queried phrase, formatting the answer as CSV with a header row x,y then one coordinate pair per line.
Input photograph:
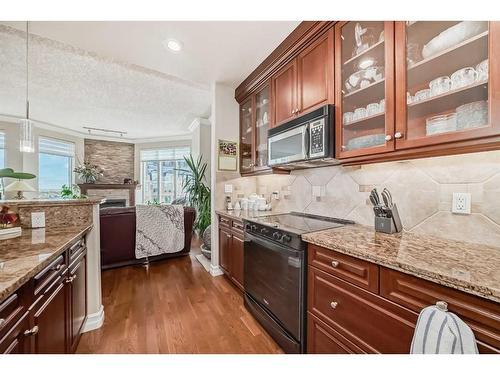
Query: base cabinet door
x,y
224,244
78,300
237,261
49,321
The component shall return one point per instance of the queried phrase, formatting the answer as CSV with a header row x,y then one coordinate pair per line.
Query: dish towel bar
x,y
439,331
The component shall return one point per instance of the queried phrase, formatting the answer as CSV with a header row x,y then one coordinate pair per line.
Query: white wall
x,y
224,121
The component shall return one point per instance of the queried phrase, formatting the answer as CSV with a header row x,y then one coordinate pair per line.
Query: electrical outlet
x,y
461,203
228,188
38,219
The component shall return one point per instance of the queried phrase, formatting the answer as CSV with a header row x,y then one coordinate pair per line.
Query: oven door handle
x,y
272,246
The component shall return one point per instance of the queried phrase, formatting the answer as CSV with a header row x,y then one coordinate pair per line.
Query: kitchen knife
x,y
387,197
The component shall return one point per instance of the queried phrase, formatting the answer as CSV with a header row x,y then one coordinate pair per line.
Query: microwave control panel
x,y
317,141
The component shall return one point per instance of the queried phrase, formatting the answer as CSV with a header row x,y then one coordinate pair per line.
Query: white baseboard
x,y
215,270
94,321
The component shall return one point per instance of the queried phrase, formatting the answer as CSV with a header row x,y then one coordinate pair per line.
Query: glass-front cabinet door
x,y
262,117
364,87
246,135
446,88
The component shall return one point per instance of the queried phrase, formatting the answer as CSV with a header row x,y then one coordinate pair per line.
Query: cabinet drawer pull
x,y
335,263
1,322
57,268
228,235
31,332
398,135
388,137
333,304
70,279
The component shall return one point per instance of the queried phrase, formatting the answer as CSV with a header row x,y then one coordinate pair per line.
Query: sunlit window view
x,y
161,174
55,166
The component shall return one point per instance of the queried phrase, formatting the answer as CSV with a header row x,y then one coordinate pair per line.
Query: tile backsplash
x,y
422,189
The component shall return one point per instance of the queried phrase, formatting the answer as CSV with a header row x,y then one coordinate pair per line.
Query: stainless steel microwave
x,y
304,142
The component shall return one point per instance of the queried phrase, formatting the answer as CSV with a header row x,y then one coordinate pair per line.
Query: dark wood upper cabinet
x,y
247,132
315,73
285,93
364,87
447,82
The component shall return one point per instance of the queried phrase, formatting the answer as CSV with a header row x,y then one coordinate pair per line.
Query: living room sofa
x,y
118,237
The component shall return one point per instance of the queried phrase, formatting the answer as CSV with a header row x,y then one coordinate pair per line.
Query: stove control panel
x,y
272,234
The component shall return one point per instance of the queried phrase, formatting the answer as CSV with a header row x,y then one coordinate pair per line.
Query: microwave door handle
x,y
305,144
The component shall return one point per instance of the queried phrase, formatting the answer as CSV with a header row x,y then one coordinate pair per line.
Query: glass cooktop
x,y
301,223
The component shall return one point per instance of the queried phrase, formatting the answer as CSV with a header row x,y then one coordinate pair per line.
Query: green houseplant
x,y
197,192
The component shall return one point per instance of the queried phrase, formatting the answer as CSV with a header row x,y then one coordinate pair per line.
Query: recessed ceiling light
x,y
173,45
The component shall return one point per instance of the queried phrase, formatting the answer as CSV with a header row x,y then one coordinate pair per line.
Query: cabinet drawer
x,y
321,339
237,227
481,315
12,308
224,221
76,248
369,321
356,271
48,274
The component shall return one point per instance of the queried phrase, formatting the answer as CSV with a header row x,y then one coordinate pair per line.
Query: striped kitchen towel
x,y
439,331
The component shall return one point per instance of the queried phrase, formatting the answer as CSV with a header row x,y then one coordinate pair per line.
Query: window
x,y
161,179
55,166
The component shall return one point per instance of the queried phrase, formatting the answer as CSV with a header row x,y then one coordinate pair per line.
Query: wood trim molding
x,y
94,321
305,33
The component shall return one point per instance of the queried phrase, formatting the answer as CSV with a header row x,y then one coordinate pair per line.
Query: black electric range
x,y
275,270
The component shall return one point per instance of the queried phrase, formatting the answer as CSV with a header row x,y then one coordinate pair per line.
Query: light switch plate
x,y
461,203
228,188
38,219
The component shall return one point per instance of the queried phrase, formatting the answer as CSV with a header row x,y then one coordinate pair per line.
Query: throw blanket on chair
x,y
159,230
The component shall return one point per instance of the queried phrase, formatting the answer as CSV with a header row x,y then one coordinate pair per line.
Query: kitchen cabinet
x,y
77,282
231,249
49,319
347,315
364,87
447,82
46,315
255,119
306,82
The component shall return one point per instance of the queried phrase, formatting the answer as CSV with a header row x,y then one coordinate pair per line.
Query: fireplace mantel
x,y
130,187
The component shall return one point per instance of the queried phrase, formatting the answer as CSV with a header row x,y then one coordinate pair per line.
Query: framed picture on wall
x,y
228,155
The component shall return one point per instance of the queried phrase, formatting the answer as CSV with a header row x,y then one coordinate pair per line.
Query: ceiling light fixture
x,y
173,45
26,141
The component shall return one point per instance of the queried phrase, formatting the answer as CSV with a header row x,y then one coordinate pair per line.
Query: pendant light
x,y
26,142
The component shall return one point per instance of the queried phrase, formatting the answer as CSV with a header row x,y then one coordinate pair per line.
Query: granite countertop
x,y
246,214
23,257
468,267
50,202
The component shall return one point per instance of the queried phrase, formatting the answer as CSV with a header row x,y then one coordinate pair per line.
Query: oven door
x,y
288,146
273,276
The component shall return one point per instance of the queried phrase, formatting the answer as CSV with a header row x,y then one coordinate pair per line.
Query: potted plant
x,y
197,192
88,172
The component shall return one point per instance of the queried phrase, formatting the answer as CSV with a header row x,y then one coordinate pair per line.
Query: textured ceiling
x,y
214,51
72,88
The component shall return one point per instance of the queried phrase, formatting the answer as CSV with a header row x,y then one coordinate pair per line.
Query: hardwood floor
x,y
174,306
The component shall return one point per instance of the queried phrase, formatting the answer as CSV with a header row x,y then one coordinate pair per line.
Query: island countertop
x,y
472,268
23,257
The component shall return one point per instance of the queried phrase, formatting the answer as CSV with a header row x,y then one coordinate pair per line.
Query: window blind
x,y
56,147
173,153
2,140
